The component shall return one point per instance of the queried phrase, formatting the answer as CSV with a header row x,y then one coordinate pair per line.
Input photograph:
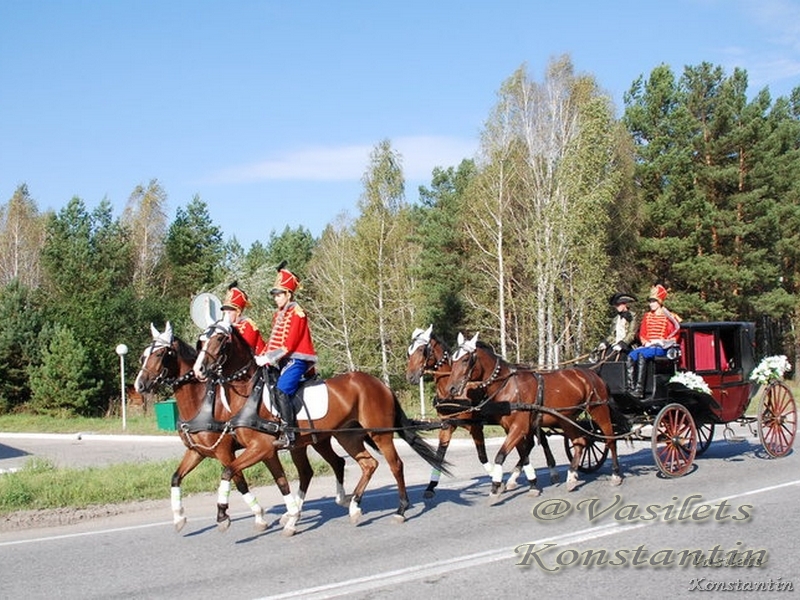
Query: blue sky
x,y
268,109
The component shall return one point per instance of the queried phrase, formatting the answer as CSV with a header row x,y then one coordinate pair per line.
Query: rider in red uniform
x,y
289,349
233,307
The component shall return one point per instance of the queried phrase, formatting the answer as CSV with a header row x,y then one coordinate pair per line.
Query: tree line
x,y
696,187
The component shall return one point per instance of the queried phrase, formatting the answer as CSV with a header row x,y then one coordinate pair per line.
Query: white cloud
x,y
420,154
779,60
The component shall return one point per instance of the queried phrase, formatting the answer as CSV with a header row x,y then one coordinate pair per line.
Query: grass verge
x,y
40,485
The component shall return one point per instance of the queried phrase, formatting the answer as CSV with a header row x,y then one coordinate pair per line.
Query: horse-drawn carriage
x,y
704,381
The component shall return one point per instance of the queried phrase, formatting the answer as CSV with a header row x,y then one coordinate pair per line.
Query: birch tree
x,y
381,238
548,175
22,231
146,220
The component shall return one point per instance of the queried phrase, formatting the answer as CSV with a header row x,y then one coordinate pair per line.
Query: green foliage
x,y
19,332
194,251
62,383
441,268
295,246
717,181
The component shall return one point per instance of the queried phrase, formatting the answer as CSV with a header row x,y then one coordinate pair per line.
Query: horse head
x,y
419,353
223,353
464,365
159,360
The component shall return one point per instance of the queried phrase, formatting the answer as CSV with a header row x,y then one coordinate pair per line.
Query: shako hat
x,y
235,299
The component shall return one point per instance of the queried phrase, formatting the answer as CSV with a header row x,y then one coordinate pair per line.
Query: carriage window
x,y
727,350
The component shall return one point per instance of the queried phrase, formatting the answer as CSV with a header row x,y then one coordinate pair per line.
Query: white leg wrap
x,y
572,476
175,499
497,473
252,502
355,509
291,504
487,467
340,493
224,492
530,473
435,475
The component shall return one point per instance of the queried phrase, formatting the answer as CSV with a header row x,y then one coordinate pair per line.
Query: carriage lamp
x,y
122,350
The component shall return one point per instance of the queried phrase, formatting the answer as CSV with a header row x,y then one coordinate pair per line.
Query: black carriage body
x,y
722,353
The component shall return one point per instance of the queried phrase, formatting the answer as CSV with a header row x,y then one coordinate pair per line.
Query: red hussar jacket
x,y
659,327
249,331
290,337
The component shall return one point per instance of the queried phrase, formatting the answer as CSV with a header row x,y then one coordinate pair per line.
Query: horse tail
x,y
405,428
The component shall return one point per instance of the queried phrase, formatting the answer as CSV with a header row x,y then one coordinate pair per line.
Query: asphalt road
x,y
85,449
453,546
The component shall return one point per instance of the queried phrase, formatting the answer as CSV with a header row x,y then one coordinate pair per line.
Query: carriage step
x,y
733,437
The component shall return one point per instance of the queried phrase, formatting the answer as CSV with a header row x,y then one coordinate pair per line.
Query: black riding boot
x,y
630,373
641,373
288,418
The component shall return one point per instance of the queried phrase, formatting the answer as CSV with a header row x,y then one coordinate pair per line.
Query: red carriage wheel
x,y
596,451
674,440
705,435
777,419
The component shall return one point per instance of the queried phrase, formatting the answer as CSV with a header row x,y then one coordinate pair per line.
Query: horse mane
x,y
438,340
185,351
489,348
238,336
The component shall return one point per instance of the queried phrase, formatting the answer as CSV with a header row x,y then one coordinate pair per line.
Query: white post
x,y
421,398
122,350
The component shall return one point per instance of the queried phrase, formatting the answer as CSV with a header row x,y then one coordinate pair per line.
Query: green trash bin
x,y
167,415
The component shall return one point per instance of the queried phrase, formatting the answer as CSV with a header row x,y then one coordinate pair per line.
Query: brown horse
x,y
204,424
359,406
535,399
428,355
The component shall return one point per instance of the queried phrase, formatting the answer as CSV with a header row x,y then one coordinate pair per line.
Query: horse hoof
x,y
223,526
355,517
511,486
179,523
571,485
555,477
344,500
288,531
398,518
428,494
261,525
494,498
616,480
534,491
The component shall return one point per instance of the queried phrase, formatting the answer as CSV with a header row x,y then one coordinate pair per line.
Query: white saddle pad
x,y
313,407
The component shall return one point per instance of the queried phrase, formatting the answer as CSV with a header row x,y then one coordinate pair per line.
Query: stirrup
x,y
285,441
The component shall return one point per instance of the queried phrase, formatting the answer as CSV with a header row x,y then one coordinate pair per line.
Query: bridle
x,y
163,352
220,358
471,364
430,364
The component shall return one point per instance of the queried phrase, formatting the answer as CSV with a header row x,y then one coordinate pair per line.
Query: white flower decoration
x,y
772,368
691,380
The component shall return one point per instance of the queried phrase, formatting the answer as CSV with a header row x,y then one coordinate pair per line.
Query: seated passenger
x,y
659,330
623,328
